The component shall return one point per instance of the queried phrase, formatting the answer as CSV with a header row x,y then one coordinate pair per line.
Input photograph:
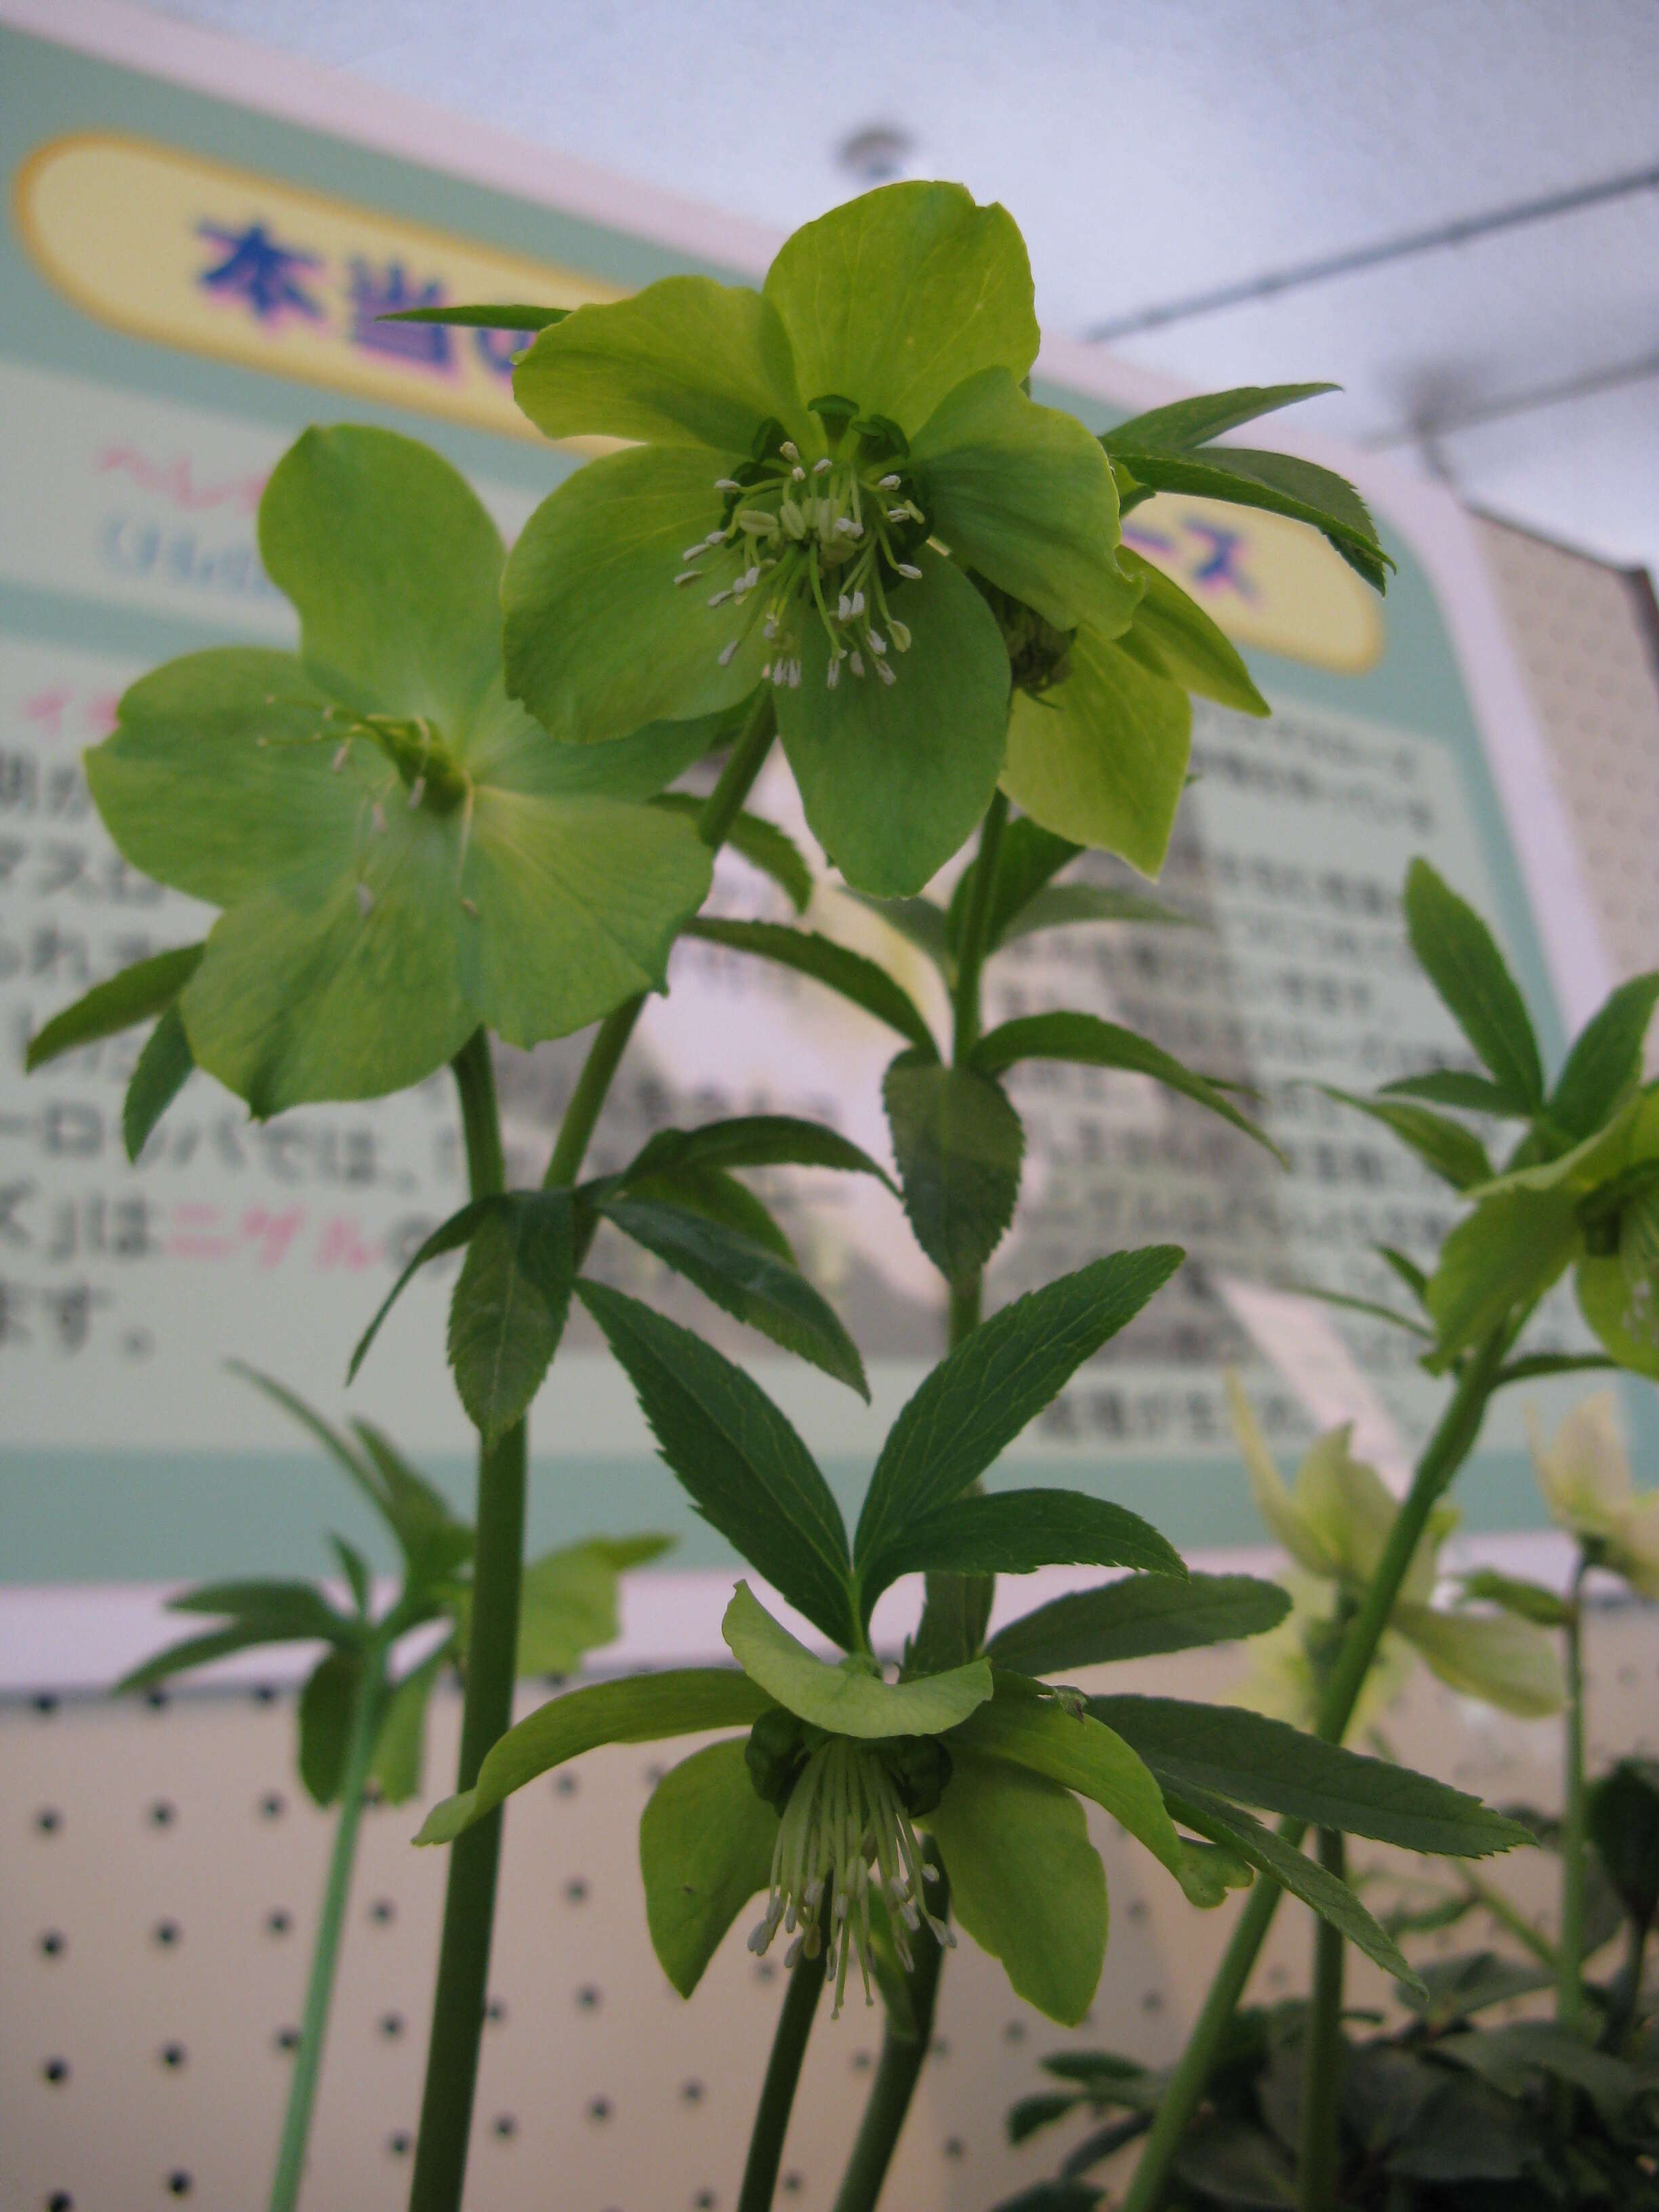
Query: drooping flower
x,y
400,853
1583,1471
1334,1522
843,489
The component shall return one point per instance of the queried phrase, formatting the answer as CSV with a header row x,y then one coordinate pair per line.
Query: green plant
x,y
361,1725
449,817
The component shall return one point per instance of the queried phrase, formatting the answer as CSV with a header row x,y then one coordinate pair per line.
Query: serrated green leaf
x,y
1460,958
745,1279
1190,646
1303,1877
1606,1058
848,974
1624,1827
1378,1312
164,1066
1025,1882
327,1707
434,1542
147,988
1186,423
1135,1618
638,1708
355,1567
1506,1253
920,921
1278,483
959,1145
1510,2056
706,1843
399,1762
1456,1154
747,1472
753,1140
1453,1988
850,1699
1528,1600
1090,1042
720,1198
508,1310
1064,906
1014,1531
568,1604
1232,1752
976,1401
295,1609
1028,858
449,1237
762,843
1230,2162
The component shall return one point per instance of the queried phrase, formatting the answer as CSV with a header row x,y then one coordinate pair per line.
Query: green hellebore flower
x,y
1585,1474
824,464
1595,1209
400,853
1334,1523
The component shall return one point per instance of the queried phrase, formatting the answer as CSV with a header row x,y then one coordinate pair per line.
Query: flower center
x,y
844,1813
826,540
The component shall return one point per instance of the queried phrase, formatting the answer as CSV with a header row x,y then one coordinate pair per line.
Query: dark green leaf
x,y
433,1542
515,316
1278,483
958,1144
1014,1531
920,921
1509,2056
399,1761
1062,906
1527,1601
745,1279
1624,1825
1605,1059
1453,1086
748,1473
1303,1877
753,1140
328,1706
976,1401
1360,1305
1463,2131
291,1610
1231,2162
138,994
1065,2196
449,1237
848,973
1453,1989
1136,1617
507,1313
199,1651
1456,1154
1460,958
1537,1366
1028,857
1185,423
163,1067
721,1198
1408,1270
1236,1753
706,1842
636,1708
568,1601
1092,1042
762,843
1031,2113
355,1567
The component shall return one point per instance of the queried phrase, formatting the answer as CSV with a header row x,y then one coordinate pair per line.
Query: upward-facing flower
x,y
842,488
1585,1474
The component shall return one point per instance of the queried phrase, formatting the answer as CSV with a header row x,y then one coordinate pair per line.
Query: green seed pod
x,y
920,1767
775,1754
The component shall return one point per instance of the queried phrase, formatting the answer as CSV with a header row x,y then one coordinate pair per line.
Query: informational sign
x,y
192,272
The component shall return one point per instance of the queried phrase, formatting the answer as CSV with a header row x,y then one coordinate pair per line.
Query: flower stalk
x,y
1575,1838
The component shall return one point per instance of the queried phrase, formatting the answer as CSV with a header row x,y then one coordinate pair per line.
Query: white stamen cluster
x,y
810,539
842,1814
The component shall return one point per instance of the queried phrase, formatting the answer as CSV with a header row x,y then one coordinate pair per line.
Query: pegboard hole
x,y
162,1815
272,1805
506,2126
48,1821
179,2183
60,2201
167,1933
598,2108
45,1703
564,1785
383,1912
589,1998
496,2012
286,2038
278,1923
172,2055
399,2144
53,1945
57,2071
392,2025
575,1890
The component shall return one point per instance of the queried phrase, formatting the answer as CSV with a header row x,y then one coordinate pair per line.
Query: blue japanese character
x,y
389,292
1217,569
257,270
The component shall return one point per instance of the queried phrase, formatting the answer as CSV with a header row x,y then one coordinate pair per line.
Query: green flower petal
x,y
706,1845
301,994
1025,1882
1187,645
217,777
685,362
395,568
1102,758
894,298
1025,495
579,902
847,1700
598,639
894,776
1607,1300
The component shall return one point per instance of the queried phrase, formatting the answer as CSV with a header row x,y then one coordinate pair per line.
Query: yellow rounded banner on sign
x,y
210,259
1264,579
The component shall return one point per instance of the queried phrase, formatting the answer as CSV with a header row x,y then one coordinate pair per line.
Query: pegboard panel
x,y
162,1873
1586,636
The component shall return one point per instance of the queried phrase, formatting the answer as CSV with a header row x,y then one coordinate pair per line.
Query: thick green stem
x,y
458,2010
1447,1450
896,2074
801,2004
976,930
325,1952
1575,1835
1321,2083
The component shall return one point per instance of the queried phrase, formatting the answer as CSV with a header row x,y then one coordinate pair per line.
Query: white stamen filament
x,y
416,793
908,568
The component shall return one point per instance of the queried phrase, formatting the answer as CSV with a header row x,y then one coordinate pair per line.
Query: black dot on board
x,y
399,2144
278,1923
157,1700
49,1820
391,2024
589,1998
766,1971
286,2038
692,2092
653,1775
179,2183
1014,2031
1153,2000
564,1785
939,2047
162,1815
505,2126
60,2201
496,2012
273,1806
955,2147
705,2200
265,1693
57,2071
45,1703
860,2062
52,1945
172,2055
167,1933
383,1912
575,1890
598,2108
793,2184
